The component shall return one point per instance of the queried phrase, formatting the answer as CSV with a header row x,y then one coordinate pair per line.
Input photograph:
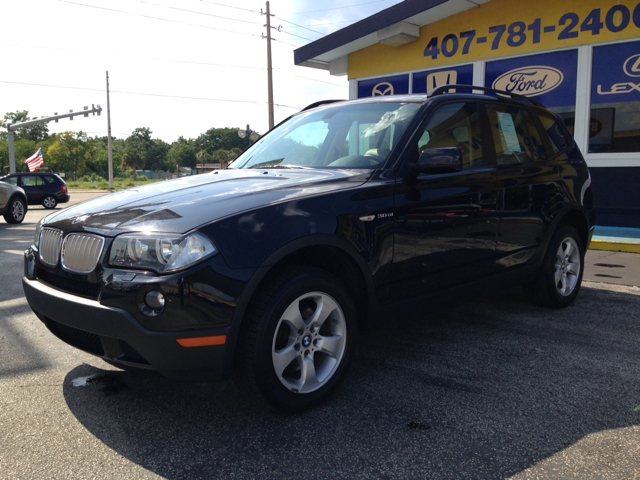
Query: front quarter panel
x,y
251,239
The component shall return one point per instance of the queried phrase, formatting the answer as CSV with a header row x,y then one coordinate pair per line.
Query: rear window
x,y
11,180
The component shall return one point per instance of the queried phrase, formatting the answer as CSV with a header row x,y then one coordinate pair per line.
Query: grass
x,y
118,183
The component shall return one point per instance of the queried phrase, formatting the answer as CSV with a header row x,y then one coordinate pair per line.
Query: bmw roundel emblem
x,y
306,341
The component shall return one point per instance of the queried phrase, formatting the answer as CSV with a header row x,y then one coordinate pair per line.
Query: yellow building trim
x,y
552,24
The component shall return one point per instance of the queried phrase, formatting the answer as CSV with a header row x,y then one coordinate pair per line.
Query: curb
x,y
630,247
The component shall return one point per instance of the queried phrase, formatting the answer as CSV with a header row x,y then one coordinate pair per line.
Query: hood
x,y
185,203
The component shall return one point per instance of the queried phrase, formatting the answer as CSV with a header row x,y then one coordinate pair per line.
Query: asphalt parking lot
x,y
490,389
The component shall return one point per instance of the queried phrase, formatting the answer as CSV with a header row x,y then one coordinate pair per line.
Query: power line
x,y
301,26
339,8
118,55
158,18
312,79
294,35
199,13
230,6
147,94
280,70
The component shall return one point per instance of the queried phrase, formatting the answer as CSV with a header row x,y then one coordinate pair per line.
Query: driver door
x,y
446,224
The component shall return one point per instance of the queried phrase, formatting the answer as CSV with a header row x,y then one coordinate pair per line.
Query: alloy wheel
x,y
17,210
567,266
309,342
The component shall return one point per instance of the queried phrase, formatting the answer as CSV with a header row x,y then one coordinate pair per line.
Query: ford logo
x,y
530,81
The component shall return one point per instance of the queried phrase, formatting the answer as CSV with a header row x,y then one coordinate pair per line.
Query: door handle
x,y
488,201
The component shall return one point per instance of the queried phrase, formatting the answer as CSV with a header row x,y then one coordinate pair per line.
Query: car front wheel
x,y
296,345
49,202
560,277
16,211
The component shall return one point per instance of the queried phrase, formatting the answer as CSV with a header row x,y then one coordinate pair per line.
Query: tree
x,y
36,133
181,154
134,159
203,157
99,162
220,138
69,152
154,151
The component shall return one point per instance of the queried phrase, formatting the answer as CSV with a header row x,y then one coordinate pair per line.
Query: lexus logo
x,y
381,89
632,66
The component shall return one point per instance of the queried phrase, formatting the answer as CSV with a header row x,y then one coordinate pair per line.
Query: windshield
x,y
343,136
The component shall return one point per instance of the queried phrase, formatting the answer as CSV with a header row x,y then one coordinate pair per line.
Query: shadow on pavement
x,y
485,390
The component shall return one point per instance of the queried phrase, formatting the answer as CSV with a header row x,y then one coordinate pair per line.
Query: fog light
x,y
154,300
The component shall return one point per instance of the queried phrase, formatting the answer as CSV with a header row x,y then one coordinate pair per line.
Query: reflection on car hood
x,y
182,204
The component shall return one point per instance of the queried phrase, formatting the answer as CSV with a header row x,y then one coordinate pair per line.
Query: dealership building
x,y
580,58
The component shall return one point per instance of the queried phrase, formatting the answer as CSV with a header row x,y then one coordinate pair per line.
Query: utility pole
x,y
269,69
109,137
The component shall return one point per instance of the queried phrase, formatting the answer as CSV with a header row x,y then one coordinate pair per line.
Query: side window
x,y
11,180
515,136
455,125
558,138
47,180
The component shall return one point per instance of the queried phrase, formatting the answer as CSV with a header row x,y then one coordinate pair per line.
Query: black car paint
x,y
36,193
420,226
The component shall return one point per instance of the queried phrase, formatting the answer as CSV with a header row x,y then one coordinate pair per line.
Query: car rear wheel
x,y
49,202
560,277
295,347
16,211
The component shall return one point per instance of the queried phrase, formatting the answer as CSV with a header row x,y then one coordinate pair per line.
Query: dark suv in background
x,y
344,216
46,189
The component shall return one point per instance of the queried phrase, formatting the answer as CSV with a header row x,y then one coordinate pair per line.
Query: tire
x,y
16,211
560,277
49,202
297,342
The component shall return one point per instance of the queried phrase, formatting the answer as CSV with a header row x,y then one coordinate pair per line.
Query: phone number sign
x,y
517,33
501,28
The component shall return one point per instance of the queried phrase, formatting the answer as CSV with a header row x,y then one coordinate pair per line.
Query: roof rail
x,y
444,88
317,104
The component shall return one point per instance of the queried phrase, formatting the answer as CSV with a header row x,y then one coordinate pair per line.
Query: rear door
x,y
32,185
528,180
446,224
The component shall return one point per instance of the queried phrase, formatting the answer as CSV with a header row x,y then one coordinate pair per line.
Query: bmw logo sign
x,y
306,341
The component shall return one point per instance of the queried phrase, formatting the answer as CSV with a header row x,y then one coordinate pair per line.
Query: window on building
x,y
615,99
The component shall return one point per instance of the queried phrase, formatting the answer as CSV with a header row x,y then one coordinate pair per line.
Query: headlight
x,y
36,238
160,252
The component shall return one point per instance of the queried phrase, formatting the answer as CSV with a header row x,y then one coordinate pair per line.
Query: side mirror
x,y
439,160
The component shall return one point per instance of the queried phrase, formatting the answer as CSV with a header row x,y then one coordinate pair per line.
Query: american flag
x,y
35,160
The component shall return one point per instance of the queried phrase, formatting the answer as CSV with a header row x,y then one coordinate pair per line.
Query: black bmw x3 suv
x,y
344,216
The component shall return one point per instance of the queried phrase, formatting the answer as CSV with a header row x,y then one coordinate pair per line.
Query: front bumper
x,y
113,334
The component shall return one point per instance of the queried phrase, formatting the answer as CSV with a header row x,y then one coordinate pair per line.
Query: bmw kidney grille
x,y
50,241
81,251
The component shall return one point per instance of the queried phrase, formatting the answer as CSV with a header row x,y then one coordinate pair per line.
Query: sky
x,y
176,67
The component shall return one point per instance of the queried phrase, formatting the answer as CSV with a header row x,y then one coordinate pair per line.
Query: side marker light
x,y
202,341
